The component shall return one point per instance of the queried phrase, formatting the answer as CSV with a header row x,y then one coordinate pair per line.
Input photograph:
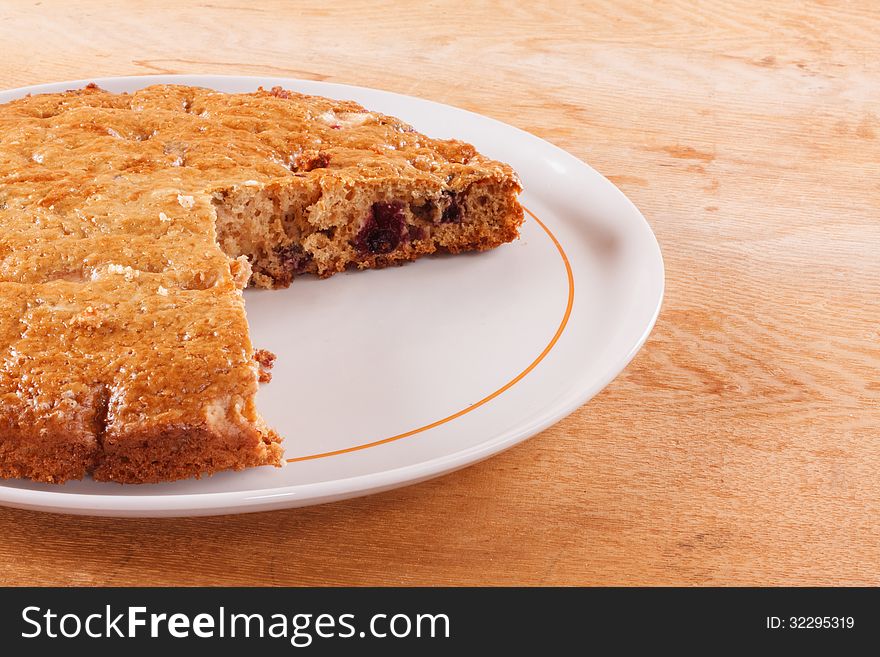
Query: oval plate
x,y
390,377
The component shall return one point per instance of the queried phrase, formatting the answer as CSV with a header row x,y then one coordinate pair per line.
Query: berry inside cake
x,y
131,224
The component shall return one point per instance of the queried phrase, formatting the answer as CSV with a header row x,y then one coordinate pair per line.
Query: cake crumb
x,y
162,291
164,217
265,360
186,201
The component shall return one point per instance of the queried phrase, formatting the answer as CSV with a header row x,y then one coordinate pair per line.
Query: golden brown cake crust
x,y
123,338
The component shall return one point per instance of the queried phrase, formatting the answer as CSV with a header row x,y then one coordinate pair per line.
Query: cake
x,y
131,224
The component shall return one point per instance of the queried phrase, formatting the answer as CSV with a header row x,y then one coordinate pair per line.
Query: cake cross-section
x,y
132,222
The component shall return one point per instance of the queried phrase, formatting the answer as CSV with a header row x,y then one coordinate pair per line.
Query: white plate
x,y
390,377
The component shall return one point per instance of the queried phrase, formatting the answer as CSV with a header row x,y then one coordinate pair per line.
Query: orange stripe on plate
x,y
507,386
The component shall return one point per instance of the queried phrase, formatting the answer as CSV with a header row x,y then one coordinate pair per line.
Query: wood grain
x,y
741,446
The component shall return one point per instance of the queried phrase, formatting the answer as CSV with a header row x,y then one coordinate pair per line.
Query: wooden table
x,y
742,446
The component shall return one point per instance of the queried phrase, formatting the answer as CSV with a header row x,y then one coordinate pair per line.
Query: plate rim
x,y
292,495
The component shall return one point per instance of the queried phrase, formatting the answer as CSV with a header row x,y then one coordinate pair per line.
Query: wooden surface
x,y
742,445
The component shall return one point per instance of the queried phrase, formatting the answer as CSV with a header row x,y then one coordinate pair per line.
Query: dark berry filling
x,y
452,211
383,229
425,211
293,259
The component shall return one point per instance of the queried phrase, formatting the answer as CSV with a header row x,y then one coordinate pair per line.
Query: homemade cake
x,y
131,223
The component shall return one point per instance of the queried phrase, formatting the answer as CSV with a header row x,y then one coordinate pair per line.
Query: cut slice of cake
x,y
131,223
350,187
